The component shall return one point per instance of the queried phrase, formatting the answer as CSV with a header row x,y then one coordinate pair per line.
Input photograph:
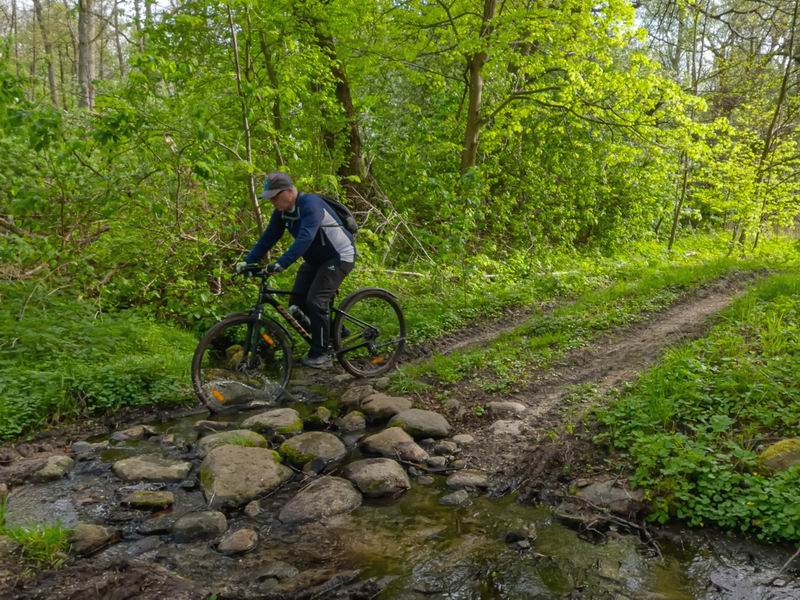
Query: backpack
x,y
344,214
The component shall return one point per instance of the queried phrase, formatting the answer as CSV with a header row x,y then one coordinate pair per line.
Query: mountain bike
x,y
245,360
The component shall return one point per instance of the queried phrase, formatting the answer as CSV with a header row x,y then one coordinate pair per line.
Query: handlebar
x,y
254,270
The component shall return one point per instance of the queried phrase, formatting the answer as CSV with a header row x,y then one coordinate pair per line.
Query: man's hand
x,y
273,268
240,266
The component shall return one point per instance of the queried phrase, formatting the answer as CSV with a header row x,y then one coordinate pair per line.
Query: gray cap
x,y
275,183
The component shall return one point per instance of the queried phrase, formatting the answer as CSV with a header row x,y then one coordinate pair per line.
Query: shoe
x,y
323,361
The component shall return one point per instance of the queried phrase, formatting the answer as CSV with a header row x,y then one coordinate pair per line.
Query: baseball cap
x,y
275,183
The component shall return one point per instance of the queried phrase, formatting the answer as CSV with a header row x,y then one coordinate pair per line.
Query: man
x,y
326,246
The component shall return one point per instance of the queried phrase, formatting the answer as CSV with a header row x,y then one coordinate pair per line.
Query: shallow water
x,y
416,546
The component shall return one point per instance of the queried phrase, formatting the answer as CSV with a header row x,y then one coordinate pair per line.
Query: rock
x,y
3,491
55,468
86,538
136,432
324,497
252,509
455,408
606,494
8,547
83,449
352,421
285,421
149,500
212,426
151,467
380,407
235,437
445,448
780,455
168,439
234,475
506,409
458,498
377,477
354,395
426,480
468,479
437,462
463,439
458,465
394,443
523,545
157,525
514,428
313,445
275,570
319,418
382,383
238,542
144,545
421,423
196,525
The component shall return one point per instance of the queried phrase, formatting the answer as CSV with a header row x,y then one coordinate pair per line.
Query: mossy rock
x,y
780,455
237,437
312,445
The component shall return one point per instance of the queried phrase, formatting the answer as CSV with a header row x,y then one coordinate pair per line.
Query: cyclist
x,y
328,250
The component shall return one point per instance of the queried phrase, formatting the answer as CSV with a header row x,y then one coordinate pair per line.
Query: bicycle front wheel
x,y
369,332
241,362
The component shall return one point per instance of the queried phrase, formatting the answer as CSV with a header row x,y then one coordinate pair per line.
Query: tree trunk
x,y
48,51
676,217
251,184
476,62
276,102
118,41
85,58
14,33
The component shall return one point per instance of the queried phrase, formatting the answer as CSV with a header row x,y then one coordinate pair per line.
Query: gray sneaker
x,y
323,361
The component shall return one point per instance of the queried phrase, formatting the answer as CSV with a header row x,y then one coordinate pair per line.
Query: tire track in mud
x,y
507,447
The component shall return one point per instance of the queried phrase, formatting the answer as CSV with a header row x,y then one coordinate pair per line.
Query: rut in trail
x,y
607,363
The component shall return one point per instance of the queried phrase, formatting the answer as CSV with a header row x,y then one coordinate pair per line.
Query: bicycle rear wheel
x,y
241,362
369,332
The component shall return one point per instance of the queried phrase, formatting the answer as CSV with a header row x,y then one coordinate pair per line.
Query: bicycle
x,y
245,360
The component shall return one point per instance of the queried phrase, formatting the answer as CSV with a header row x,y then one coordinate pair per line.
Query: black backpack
x,y
344,214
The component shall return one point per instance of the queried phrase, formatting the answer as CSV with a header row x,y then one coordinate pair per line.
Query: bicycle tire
x,y
364,364
279,353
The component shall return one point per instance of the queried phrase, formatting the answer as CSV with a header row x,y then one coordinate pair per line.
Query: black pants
x,y
314,288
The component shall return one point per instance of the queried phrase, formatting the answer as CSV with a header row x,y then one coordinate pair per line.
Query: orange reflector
x,y
378,360
218,395
268,339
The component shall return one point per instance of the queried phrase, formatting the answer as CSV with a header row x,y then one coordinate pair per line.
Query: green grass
x,y
693,426
60,358
511,358
44,546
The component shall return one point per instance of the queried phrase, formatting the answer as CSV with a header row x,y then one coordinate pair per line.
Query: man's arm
x,y
311,214
268,239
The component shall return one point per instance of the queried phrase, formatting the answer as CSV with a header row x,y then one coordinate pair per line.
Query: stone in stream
x,y
234,475
313,445
149,500
463,439
235,437
285,421
780,455
437,462
238,542
252,509
197,525
609,495
354,395
457,498
204,425
86,538
468,479
380,407
319,419
445,448
136,432
394,443
377,477
323,498
352,421
505,409
421,423
151,467
55,468
85,450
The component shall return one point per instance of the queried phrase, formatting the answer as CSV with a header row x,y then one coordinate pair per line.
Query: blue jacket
x,y
318,234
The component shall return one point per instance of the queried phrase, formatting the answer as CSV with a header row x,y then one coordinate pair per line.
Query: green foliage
x,y
64,358
44,546
693,426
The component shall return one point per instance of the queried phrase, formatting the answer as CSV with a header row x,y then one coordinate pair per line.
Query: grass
x,y
61,359
692,428
43,546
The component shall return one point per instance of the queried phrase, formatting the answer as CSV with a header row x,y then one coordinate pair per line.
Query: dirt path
x,y
522,442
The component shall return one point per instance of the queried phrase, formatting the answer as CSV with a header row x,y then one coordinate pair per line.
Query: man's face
x,y
284,200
